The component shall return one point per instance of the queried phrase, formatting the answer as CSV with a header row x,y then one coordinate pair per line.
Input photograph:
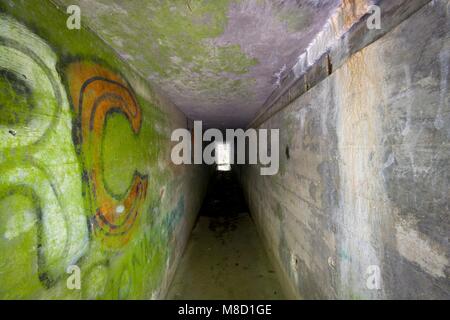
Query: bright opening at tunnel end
x,y
223,157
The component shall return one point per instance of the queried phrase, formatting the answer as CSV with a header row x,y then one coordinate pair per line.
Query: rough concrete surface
x,y
216,60
364,177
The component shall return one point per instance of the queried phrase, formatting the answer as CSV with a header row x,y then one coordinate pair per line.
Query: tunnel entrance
x,y
225,258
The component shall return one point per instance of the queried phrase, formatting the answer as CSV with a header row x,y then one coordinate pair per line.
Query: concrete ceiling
x,y
217,60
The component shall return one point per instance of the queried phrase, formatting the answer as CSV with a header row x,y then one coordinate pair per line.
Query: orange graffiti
x,y
95,93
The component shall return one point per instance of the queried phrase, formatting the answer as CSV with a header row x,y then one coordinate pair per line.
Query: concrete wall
x,y
365,171
85,171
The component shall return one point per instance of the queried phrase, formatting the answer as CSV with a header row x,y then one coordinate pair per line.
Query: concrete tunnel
x,y
354,93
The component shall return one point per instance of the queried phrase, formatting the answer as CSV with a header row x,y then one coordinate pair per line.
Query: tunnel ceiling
x,y
218,61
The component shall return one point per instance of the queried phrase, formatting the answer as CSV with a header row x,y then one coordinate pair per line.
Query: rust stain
x,y
352,11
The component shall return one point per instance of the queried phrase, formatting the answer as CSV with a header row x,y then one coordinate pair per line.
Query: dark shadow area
x,y
224,196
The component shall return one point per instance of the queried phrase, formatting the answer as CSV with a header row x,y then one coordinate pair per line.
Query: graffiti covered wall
x,y
85,171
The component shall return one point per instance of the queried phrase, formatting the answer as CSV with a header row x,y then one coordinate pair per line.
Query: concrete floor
x,y
225,258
